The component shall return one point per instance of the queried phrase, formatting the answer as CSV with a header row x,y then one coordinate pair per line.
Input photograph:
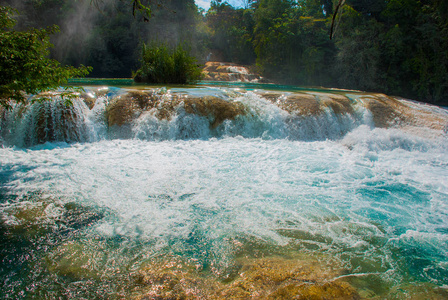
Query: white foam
x,y
349,195
239,185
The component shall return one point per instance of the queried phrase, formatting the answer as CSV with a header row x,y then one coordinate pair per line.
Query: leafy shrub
x,y
163,65
24,65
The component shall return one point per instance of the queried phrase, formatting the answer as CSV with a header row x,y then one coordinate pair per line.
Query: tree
x,y
397,47
231,33
358,61
24,63
291,42
138,6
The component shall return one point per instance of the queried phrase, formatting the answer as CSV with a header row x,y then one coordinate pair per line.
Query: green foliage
x,y
358,60
396,46
110,47
138,6
161,64
291,45
24,64
231,33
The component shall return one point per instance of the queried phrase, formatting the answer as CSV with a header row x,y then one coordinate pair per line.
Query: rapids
x,y
218,192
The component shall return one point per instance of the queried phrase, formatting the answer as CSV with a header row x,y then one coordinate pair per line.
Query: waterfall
x,y
204,113
47,121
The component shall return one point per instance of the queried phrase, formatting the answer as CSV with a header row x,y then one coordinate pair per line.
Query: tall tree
x,y
231,33
291,41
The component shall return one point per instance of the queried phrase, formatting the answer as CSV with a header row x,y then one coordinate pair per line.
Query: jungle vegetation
x,y
24,63
398,47
161,64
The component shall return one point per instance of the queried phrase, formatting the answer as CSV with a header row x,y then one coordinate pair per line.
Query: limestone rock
x,y
88,99
125,108
386,111
220,71
340,104
301,104
216,108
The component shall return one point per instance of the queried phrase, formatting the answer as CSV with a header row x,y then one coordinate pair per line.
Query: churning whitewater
x,y
224,193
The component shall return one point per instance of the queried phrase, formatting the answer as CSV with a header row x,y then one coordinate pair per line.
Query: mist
x,y
106,35
377,49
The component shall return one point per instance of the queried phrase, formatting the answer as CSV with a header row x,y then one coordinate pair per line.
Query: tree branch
x,y
332,30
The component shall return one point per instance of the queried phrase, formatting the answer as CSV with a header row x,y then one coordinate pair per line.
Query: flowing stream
x,y
221,192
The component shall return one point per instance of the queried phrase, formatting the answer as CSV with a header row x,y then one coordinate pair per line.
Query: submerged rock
x,y
418,292
173,278
286,278
31,218
34,216
257,278
76,261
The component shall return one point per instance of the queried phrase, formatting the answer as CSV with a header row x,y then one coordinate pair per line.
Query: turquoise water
x,y
129,82
83,219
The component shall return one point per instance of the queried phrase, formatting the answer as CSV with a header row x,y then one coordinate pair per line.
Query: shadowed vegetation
x,y
24,64
160,64
397,47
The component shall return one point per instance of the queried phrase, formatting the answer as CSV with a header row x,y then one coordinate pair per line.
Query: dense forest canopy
x,y
398,47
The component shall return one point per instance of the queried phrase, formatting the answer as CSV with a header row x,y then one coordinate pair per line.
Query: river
x,y
224,192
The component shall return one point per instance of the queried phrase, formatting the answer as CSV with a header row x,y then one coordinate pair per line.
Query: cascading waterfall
x,y
224,193
202,113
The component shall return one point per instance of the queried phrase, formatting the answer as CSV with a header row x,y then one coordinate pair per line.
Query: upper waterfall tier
x,y
220,71
211,112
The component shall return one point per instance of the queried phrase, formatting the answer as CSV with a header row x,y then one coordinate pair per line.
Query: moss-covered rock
x,y
309,104
339,104
271,277
76,261
31,218
329,290
422,291
173,278
385,111
301,104
89,99
271,96
50,120
34,216
217,109
290,277
125,108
